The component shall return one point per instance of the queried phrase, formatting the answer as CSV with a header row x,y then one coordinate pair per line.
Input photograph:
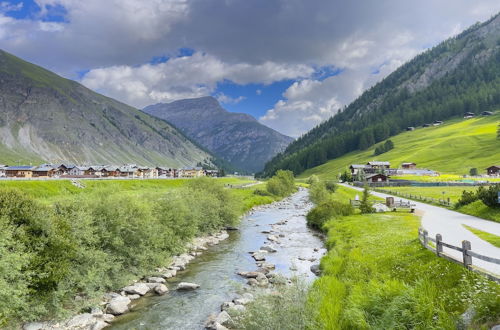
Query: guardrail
x,y
466,250
425,199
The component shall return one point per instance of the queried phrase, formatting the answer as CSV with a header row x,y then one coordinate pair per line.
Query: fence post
x,y
439,247
426,233
448,201
467,258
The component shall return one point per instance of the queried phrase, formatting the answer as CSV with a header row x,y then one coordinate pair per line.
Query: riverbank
x,y
61,250
218,269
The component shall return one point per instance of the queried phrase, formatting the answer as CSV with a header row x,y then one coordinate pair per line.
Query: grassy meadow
x,y
376,275
488,237
453,148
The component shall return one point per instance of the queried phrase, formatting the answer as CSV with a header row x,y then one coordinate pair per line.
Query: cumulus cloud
x,y
185,77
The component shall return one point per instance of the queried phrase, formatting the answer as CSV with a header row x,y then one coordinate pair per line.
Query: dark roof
x,y
375,174
20,168
493,166
379,163
408,164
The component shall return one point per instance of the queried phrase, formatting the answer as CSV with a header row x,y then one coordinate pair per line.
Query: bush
x,y
365,206
490,196
318,193
262,192
320,214
330,186
281,184
473,171
92,243
312,179
346,176
466,198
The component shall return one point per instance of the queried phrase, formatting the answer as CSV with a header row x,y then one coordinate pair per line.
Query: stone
x,y
169,273
316,249
99,325
186,286
248,274
496,327
118,305
34,326
226,305
315,269
272,238
252,282
161,289
133,296
107,317
267,266
281,235
224,319
236,309
137,288
155,279
265,232
268,248
259,255
231,228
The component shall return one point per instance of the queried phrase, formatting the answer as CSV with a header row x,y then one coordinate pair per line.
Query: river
x,y
215,270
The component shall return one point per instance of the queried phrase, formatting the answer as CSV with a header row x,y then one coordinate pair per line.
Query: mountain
x,y
235,137
44,117
462,74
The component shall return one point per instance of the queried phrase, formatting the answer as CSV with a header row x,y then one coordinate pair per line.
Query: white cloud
x,y
184,77
226,99
258,41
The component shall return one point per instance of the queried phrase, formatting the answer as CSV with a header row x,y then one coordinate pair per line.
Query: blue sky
x,y
290,64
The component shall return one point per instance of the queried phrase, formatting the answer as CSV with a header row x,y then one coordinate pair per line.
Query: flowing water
x,y
215,270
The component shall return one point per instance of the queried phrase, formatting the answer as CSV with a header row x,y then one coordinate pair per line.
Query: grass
x,y
453,193
453,148
488,237
445,178
480,210
376,275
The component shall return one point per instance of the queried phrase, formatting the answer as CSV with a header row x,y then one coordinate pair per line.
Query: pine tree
x,y
365,206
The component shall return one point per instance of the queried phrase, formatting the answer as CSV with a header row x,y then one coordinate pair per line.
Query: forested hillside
x,y
462,74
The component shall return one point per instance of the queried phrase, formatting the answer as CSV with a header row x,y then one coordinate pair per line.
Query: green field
x,y
453,148
442,192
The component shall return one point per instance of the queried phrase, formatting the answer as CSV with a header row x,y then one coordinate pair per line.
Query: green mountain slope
x,y
459,75
44,117
455,148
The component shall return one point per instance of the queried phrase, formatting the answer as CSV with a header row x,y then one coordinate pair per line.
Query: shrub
x,y
473,171
262,192
330,186
318,193
346,176
365,206
320,214
281,184
312,179
466,198
490,196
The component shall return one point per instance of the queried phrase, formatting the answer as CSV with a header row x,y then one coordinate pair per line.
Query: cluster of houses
x,y
467,115
376,171
102,171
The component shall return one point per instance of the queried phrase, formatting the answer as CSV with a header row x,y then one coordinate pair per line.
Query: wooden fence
x,y
466,250
444,202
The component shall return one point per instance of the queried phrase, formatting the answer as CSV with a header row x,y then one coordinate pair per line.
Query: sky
x,y
291,64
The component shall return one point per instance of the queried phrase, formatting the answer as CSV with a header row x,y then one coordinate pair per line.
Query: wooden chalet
x,y
377,177
379,165
493,170
408,166
19,171
44,171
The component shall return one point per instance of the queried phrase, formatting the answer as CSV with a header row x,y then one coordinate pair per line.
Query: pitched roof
x,y
20,168
379,163
358,166
43,168
375,174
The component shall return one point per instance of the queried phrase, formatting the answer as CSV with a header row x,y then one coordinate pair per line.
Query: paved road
x,y
438,220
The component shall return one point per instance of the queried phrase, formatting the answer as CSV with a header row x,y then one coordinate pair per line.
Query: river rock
x,y
224,319
315,269
272,238
118,305
154,279
99,325
186,286
161,289
265,232
231,228
107,317
252,282
267,266
236,310
133,296
226,305
281,235
316,249
137,288
212,324
169,273
34,326
259,255
268,248
248,274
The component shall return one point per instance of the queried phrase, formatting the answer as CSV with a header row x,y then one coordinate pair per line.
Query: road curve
x,y
438,220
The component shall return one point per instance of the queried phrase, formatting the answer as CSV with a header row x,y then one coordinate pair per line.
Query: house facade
x,y
493,170
379,165
191,172
408,166
19,171
378,177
